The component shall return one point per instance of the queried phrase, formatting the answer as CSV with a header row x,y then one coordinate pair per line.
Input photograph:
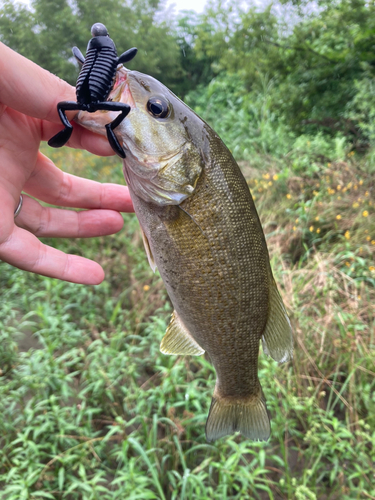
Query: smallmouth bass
x,y
202,231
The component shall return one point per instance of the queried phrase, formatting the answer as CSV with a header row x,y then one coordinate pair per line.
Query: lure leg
x,y
127,56
62,137
112,139
79,56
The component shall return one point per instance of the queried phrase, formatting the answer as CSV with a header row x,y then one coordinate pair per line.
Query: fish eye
x,y
158,107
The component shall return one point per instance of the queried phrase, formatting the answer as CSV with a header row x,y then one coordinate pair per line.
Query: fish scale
x,y
235,286
238,220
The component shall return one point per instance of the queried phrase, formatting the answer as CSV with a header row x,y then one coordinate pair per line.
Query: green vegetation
x,y
89,407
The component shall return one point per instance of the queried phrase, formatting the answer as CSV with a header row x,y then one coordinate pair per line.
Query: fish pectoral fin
x,y
228,416
150,257
277,339
178,340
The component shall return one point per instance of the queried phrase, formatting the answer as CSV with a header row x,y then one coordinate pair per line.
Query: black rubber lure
x,y
95,82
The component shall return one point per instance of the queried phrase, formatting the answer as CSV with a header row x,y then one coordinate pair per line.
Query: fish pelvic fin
x,y
149,254
250,417
277,339
178,340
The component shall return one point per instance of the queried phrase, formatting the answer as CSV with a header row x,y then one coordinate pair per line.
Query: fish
x,y
202,232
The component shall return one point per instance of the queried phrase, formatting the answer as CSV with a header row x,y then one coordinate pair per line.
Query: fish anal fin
x,y
178,340
277,339
150,257
249,417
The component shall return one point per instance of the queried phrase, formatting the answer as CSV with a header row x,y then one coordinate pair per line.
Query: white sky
x,y
197,5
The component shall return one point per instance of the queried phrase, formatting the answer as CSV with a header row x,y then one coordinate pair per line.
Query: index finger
x,y
30,89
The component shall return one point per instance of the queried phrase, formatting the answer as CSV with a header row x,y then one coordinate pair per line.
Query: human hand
x,y
28,115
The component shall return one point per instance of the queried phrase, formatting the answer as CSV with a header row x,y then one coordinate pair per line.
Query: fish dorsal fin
x,y
277,339
150,257
178,340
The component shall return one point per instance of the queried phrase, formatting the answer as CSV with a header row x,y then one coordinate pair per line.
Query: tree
x,y
313,65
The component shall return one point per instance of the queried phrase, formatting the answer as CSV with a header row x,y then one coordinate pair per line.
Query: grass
x,y
90,409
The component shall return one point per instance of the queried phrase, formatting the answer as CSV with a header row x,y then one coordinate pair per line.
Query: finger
x,y
30,89
50,184
57,223
81,138
9,203
23,250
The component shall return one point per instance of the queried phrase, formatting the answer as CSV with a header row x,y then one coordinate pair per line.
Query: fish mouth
x,y
121,92
121,89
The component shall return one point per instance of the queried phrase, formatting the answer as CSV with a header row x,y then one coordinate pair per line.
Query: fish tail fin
x,y
250,417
